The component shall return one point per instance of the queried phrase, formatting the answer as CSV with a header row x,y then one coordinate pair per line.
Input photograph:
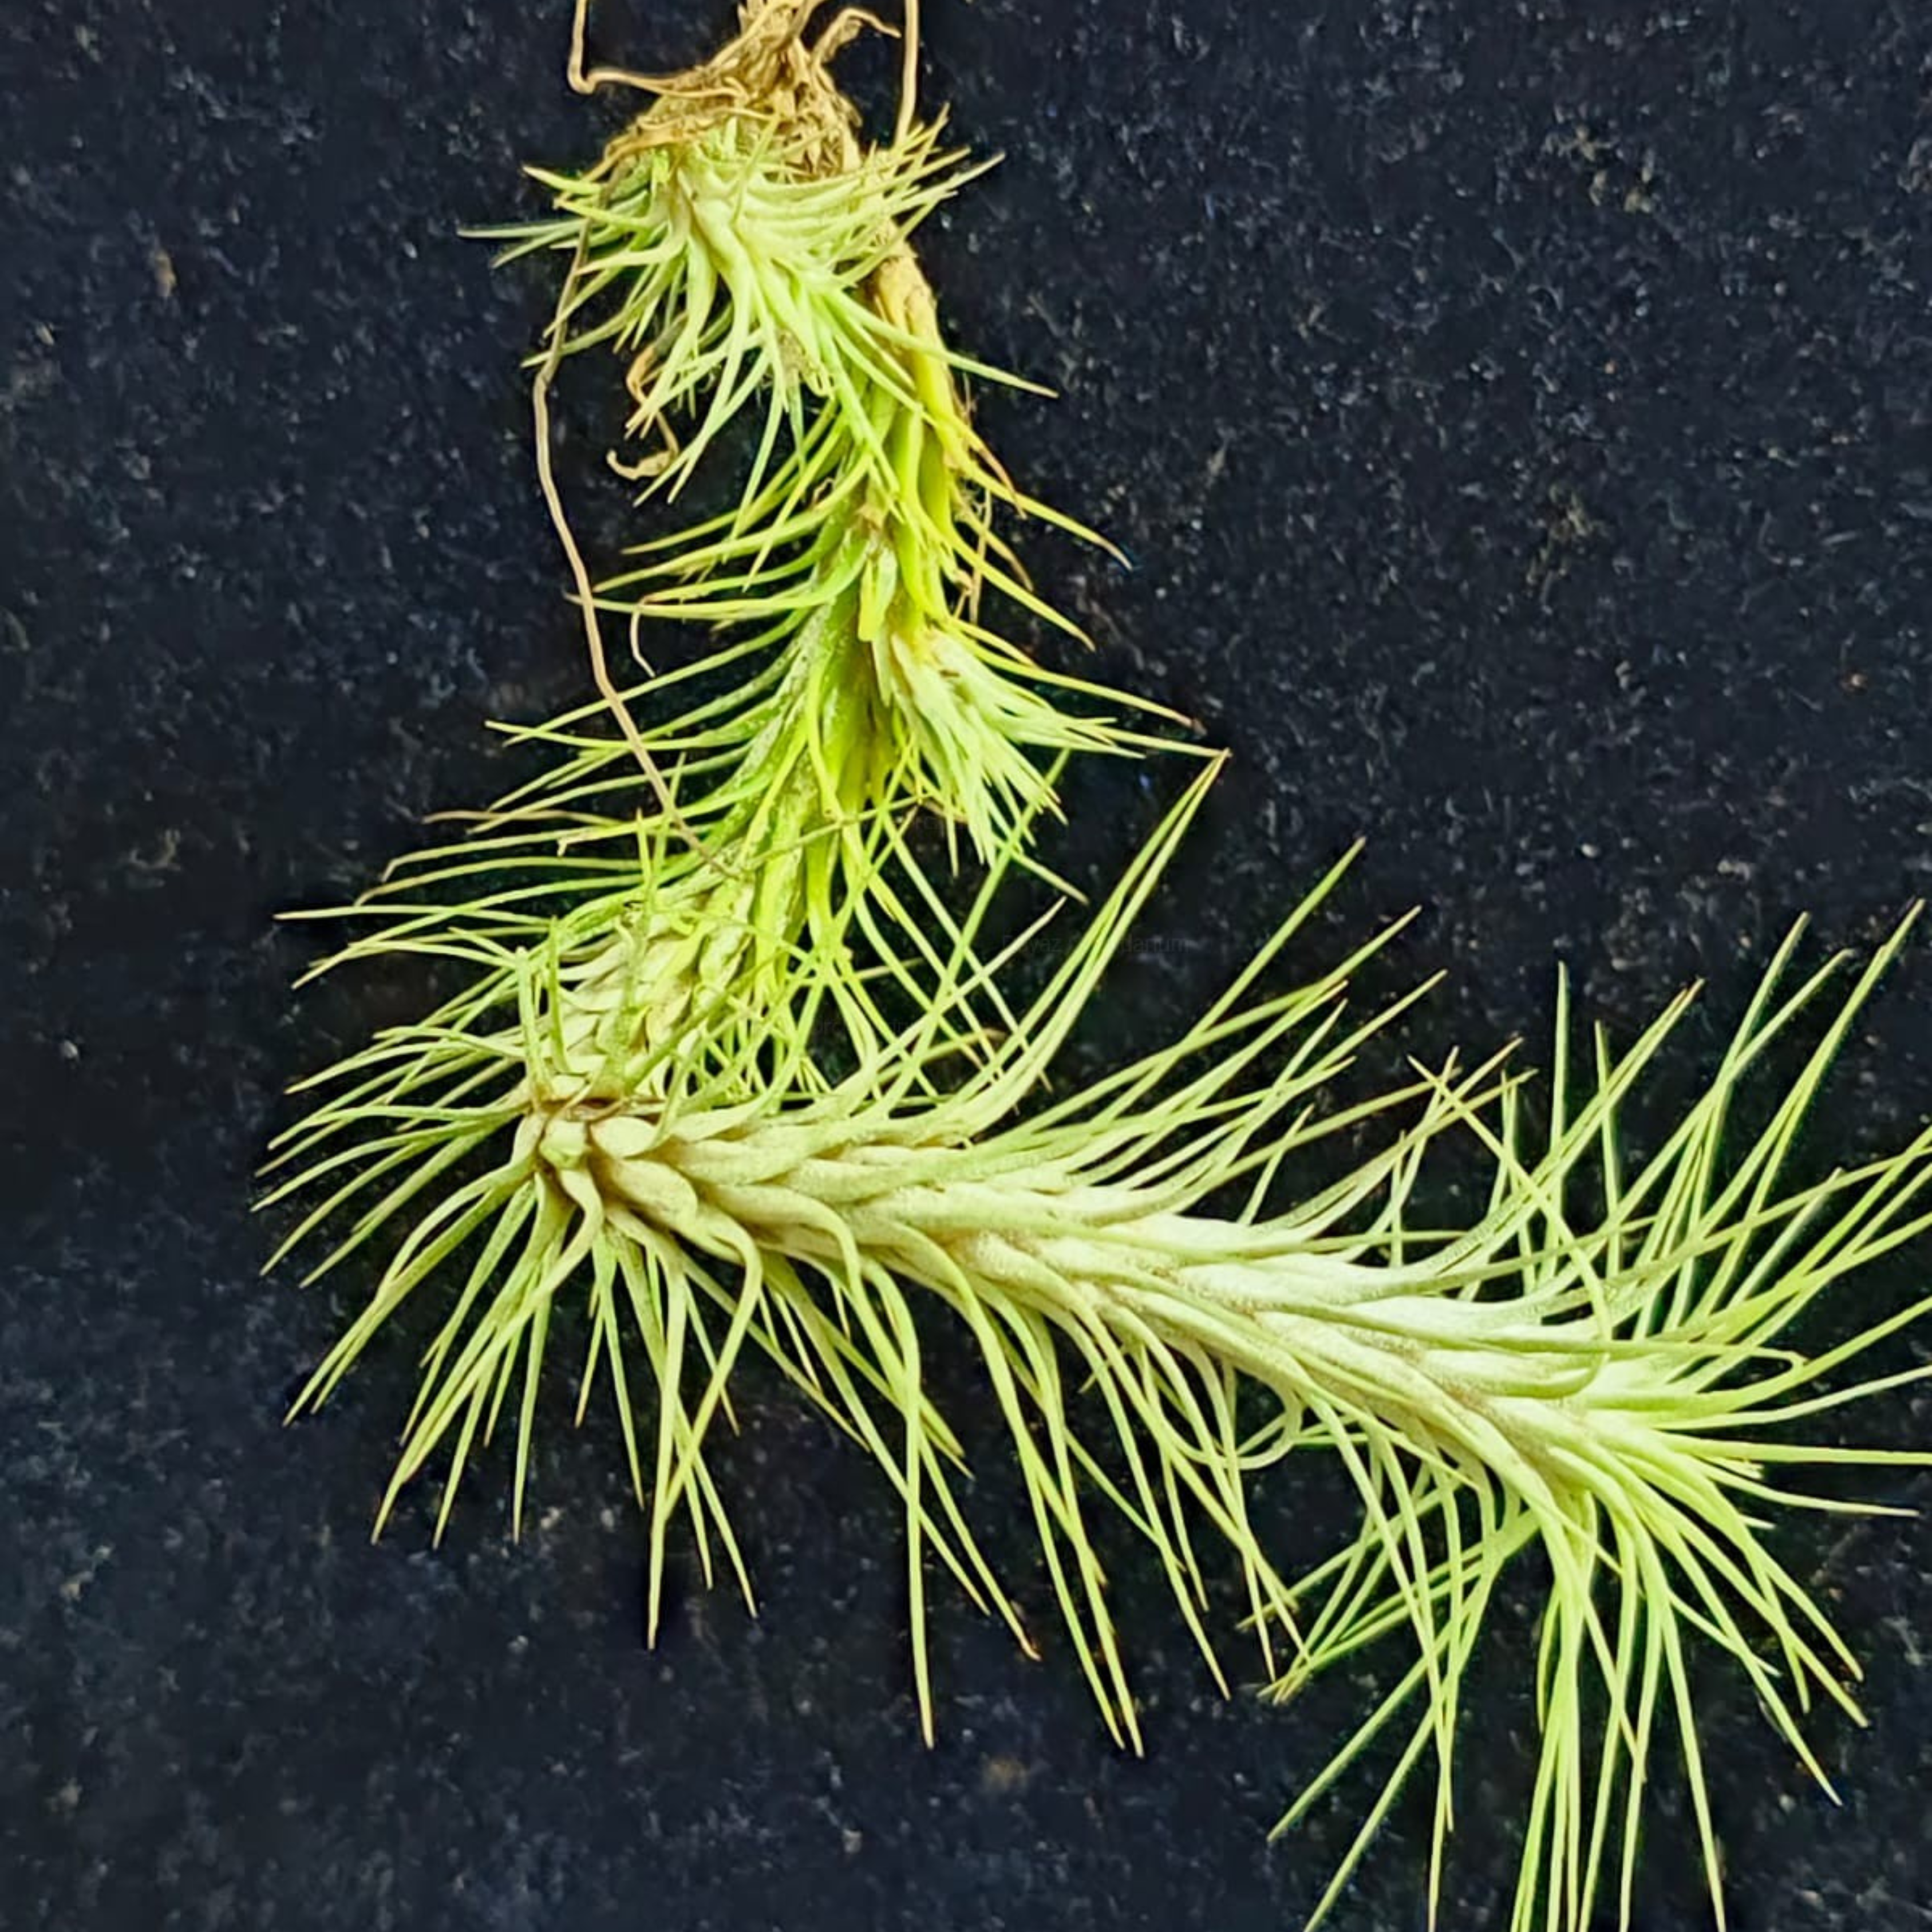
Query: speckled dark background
x,y
1517,415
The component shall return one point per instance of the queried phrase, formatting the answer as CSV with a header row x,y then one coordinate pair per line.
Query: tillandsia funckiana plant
x,y
742,252
733,1072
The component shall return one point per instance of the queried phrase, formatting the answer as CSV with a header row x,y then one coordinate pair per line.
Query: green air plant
x,y
1593,1368
732,1069
745,253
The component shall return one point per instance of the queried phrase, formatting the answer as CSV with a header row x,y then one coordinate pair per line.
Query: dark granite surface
x,y
1519,417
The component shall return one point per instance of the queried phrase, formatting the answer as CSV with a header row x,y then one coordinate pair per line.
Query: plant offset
x,y
736,1065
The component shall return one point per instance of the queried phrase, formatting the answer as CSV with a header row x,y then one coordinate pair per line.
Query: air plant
x,y
735,1070
743,252
1600,1378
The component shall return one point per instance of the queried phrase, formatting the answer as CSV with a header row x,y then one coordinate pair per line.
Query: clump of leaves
x,y
730,1064
742,250
1594,1369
